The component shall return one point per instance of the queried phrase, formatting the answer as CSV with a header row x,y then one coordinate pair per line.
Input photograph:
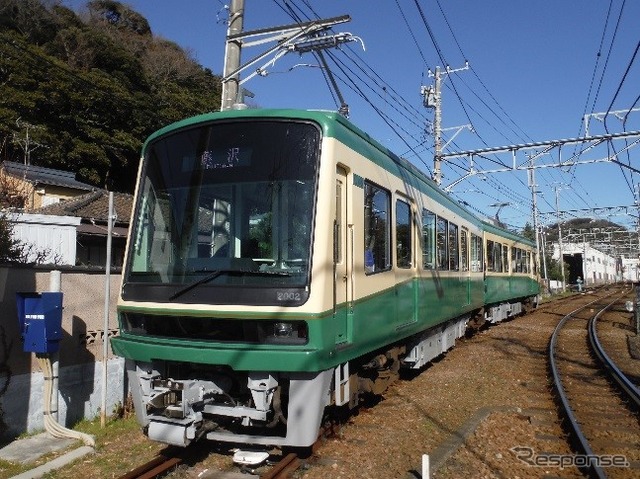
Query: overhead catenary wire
x,y
499,117
615,96
411,126
471,89
373,82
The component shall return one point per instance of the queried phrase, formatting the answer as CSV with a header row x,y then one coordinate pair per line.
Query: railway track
x,y
329,456
292,461
156,467
284,468
600,417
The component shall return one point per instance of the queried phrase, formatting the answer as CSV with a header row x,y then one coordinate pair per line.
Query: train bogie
x,y
226,405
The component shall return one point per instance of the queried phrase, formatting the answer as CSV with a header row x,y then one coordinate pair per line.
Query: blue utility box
x,y
40,317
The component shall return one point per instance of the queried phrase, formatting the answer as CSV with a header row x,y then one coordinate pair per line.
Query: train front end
x,y
220,335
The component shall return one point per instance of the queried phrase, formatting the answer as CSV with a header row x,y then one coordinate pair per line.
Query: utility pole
x,y
637,191
437,128
557,189
27,144
233,48
300,38
534,197
432,98
544,259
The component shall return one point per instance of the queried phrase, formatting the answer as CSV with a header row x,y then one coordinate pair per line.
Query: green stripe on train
x,y
504,288
376,321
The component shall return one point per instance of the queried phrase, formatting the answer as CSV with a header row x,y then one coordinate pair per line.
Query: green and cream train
x,y
281,262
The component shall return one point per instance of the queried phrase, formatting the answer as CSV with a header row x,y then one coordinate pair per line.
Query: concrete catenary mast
x,y
232,55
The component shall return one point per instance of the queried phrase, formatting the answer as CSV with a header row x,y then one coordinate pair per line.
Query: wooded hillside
x,y
82,91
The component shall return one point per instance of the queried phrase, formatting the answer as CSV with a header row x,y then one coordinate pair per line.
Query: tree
x,y
528,232
119,16
92,86
10,248
13,250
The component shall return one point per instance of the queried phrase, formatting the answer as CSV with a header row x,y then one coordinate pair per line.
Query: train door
x,y
341,255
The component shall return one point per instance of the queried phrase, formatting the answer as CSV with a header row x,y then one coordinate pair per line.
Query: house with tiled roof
x,y
52,211
30,187
92,209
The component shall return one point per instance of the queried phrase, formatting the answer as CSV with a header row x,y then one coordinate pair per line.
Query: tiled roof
x,y
44,176
93,206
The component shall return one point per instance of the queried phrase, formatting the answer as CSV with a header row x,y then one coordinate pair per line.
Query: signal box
x,y
40,318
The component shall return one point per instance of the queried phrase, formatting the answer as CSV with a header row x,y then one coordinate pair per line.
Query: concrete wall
x,y
80,356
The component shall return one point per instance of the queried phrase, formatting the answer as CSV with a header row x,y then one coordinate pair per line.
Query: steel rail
x,y
152,469
627,386
562,396
284,468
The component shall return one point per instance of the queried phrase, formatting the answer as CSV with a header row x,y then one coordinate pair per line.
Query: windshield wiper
x,y
214,274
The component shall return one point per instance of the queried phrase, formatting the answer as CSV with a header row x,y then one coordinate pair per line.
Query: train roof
x,y
337,126
491,228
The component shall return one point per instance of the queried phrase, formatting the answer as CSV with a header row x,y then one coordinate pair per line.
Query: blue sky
x,y
536,68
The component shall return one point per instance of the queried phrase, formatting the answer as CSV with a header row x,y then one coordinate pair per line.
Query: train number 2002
x,y
287,296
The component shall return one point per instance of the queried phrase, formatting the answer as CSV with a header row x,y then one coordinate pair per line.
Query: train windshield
x,y
224,205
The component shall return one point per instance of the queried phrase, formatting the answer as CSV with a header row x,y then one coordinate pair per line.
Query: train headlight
x,y
287,332
283,330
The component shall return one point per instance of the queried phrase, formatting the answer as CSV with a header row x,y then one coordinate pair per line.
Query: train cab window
x,y
428,239
442,257
476,253
464,249
453,247
403,235
377,231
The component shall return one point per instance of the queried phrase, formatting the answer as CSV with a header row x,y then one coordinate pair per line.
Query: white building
x,y
53,236
630,269
591,265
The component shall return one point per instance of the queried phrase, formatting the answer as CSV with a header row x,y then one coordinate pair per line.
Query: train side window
x,y
453,247
428,239
442,257
464,249
403,235
338,225
497,257
520,263
476,253
505,258
377,231
490,253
